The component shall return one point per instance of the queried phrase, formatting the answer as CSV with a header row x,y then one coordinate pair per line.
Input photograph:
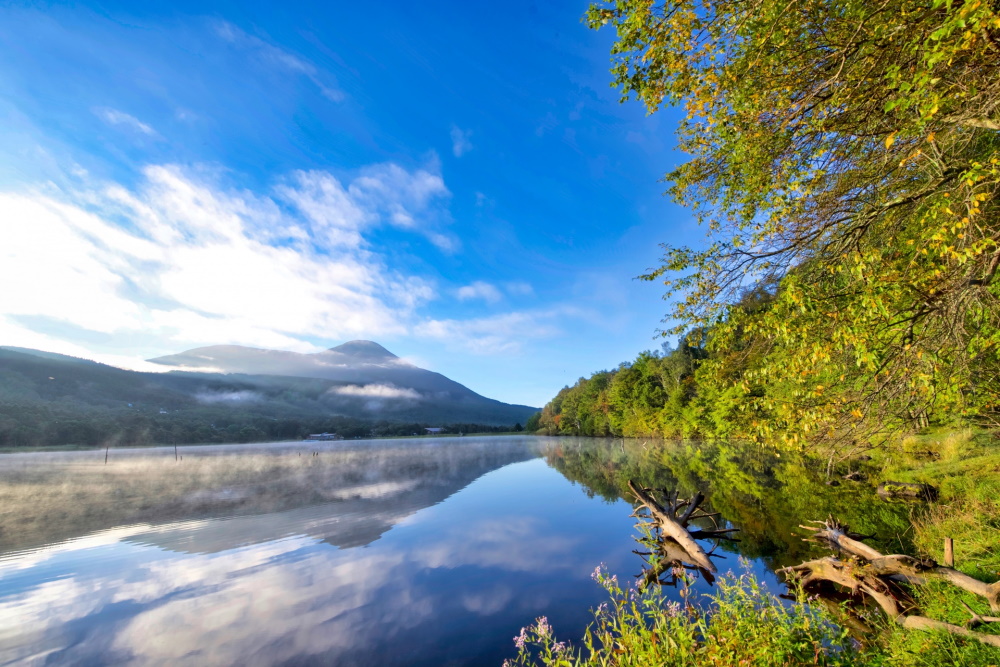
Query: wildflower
x,y
559,647
744,562
542,626
603,607
521,639
596,574
679,572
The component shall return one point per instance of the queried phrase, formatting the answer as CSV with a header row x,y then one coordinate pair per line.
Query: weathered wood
x,y
683,520
949,552
906,566
671,527
876,575
928,624
976,619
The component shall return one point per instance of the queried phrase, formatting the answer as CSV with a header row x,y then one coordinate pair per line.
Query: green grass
x,y
965,467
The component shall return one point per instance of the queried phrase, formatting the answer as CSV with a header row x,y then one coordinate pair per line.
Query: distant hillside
x,y
354,385
358,362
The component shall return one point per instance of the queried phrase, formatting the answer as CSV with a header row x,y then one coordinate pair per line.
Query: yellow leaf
x,y
890,139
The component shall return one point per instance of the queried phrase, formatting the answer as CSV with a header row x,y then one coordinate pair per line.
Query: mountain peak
x,y
363,348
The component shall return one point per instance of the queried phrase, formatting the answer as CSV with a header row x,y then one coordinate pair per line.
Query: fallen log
x,y
675,528
879,577
912,570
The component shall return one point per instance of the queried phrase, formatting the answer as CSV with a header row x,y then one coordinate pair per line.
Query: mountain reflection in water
x,y
424,552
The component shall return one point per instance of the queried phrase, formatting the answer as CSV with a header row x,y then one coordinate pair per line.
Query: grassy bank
x,y
741,624
965,467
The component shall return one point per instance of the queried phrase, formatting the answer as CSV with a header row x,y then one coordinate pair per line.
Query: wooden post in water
x,y
949,552
175,451
106,453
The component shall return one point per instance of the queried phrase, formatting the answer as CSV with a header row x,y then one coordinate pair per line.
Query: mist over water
x,y
407,552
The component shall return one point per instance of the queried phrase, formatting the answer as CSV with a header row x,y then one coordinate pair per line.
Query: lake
x,y
389,552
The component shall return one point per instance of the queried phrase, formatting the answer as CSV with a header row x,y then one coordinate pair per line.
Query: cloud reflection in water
x,y
450,582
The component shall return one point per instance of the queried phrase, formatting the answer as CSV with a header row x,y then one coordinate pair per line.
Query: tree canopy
x,y
845,159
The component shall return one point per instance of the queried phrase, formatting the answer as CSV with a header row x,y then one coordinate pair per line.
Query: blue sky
x,y
456,181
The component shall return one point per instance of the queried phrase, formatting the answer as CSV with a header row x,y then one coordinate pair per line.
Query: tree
x,y
533,422
849,153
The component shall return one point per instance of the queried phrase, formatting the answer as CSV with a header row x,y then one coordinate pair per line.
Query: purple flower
x,y
542,626
520,640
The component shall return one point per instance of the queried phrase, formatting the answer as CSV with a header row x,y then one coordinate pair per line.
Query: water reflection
x,y
450,583
392,553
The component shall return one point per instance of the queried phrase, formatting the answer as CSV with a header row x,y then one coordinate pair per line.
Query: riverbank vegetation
x,y
768,494
845,162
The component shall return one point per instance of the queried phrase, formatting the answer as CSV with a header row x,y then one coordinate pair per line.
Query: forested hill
x,y
50,399
656,395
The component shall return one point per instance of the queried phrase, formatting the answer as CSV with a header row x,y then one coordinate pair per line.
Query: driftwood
x,y
676,543
907,490
863,570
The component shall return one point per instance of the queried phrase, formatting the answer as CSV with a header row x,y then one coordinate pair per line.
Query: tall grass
x,y
740,624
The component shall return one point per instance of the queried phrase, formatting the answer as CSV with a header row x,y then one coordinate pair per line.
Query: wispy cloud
x,y
519,288
479,290
121,119
377,391
460,141
180,259
380,194
274,56
498,334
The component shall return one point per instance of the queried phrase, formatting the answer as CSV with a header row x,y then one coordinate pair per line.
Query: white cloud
x,y
499,334
460,141
479,290
519,288
228,397
122,119
383,193
178,261
274,56
376,391
184,261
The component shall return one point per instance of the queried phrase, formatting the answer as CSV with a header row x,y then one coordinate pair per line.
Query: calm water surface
x,y
423,552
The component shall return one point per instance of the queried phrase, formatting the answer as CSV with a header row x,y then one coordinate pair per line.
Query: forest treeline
x,y
707,388
844,159
58,424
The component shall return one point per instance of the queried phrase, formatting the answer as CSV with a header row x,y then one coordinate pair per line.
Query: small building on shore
x,y
324,436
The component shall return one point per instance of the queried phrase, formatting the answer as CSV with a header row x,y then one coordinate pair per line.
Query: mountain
x,y
226,393
359,362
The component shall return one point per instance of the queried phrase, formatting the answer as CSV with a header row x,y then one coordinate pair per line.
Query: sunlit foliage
x,y
845,159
